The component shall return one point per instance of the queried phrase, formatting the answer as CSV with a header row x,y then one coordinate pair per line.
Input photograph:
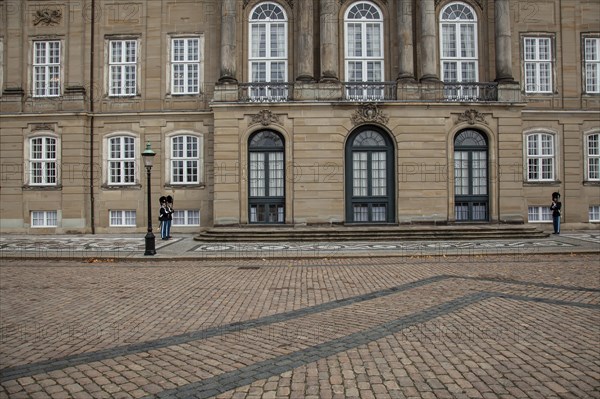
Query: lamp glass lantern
x,y
148,156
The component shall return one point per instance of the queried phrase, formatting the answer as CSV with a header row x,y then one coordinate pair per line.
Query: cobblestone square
x,y
480,326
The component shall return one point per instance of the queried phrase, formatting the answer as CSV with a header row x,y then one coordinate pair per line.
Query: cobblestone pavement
x,y
522,326
183,246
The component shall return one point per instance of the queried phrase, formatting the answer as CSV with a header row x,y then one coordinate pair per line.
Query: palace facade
x,y
293,112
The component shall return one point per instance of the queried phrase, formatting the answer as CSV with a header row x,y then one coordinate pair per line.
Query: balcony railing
x,y
471,92
265,92
369,91
270,92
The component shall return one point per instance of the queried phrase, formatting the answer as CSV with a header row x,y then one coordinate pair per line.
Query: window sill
x,y
551,183
29,187
591,183
124,97
121,187
183,96
197,186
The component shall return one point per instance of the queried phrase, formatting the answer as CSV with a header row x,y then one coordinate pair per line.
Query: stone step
x,y
368,233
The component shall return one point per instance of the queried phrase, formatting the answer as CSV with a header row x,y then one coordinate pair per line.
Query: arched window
x,y
471,198
266,171
267,56
363,28
459,56
370,177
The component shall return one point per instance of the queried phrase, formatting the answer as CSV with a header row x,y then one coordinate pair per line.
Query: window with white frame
x,y
122,218
187,217
459,55
122,60
1,66
186,65
592,143
267,56
43,164
537,58
591,47
541,214
363,28
540,157
46,68
186,159
121,160
594,213
44,218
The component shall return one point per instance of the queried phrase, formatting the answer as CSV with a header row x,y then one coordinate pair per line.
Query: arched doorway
x,y
471,186
266,183
370,177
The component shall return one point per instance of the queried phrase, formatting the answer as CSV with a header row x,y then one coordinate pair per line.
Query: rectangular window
x,y
595,213
122,62
267,60
538,64
257,174
121,160
186,218
541,214
592,65
378,174
42,161
276,174
360,181
46,69
185,160
44,218
540,157
122,218
185,66
593,157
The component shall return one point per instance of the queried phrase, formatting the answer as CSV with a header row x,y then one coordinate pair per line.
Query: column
x,y
329,40
428,40
503,41
306,63
228,41
405,40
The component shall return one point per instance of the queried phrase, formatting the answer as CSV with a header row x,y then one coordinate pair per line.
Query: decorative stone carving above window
x,y
369,113
42,126
265,118
47,17
472,116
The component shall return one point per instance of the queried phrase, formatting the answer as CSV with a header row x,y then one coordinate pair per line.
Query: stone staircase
x,y
287,233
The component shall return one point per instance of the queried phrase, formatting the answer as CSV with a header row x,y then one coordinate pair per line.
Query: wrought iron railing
x,y
265,92
369,91
471,92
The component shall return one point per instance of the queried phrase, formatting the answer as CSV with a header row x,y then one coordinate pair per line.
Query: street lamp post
x,y
148,156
